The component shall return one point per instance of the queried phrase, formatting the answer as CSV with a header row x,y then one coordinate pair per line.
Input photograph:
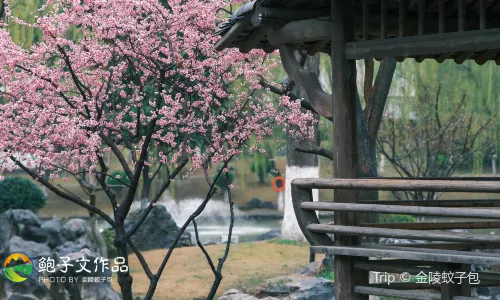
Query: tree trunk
x,y
124,278
101,244
299,165
146,186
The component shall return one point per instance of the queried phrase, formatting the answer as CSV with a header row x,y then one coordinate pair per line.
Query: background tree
x,y
426,138
70,100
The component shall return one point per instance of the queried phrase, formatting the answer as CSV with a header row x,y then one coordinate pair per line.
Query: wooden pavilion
x,y
377,29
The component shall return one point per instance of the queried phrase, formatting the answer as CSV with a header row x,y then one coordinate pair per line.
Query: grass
x,y
330,275
187,274
286,242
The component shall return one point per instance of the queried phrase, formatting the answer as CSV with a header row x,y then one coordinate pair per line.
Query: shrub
x,y
109,238
118,178
397,219
20,193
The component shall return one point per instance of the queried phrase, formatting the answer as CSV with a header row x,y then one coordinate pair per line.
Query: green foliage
x,y
393,218
109,238
20,193
222,182
121,178
261,165
327,275
286,242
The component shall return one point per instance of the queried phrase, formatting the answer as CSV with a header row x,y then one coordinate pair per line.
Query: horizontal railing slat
x,y
436,226
407,210
430,255
400,185
406,234
365,290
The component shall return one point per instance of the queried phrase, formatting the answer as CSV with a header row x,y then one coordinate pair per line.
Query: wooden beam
x,y
280,16
344,134
300,32
366,290
406,210
399,185
445,203
316,47
485,56
249,43
232,34
425,45
319,99
405,234
436,226
428,255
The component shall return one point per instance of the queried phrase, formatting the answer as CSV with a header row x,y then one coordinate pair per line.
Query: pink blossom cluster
x,y
138,72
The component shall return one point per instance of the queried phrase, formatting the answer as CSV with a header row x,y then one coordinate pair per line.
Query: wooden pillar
x,y
345,160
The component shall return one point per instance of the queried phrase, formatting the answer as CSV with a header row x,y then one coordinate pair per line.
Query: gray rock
x,y
74,229
24,217
32,249
88,290
70,247
30,289
158,231
16,296
53,228
7,230
301,289
272,234
256,203
313,289
34,233
312,269
234,294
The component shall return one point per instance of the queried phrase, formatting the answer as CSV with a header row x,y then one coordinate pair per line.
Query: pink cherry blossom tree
x,y
141,78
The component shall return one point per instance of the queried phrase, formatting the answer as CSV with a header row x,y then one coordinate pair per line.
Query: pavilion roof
x,y
249,26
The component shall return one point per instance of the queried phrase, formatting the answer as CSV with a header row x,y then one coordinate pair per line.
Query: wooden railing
x,y
444,250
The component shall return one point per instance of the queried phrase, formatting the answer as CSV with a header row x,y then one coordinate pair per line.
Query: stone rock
x,y
30,289
158,231
24,217
7,230
70,247
32,249
313,289
234,294
53,228
34,233
272,234
312,269
88,290
16,296
300,289
75,228
256,203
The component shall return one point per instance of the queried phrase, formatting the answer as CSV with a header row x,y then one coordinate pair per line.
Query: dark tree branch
x,y
141,259
198,242
62,194
368,82
376,104
118,154
222,260
162,189
317,151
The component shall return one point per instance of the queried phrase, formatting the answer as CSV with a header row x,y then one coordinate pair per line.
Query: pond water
x,y
214,221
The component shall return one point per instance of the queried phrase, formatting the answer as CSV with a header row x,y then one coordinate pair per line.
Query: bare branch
x,y
62,194
222,260
317,151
